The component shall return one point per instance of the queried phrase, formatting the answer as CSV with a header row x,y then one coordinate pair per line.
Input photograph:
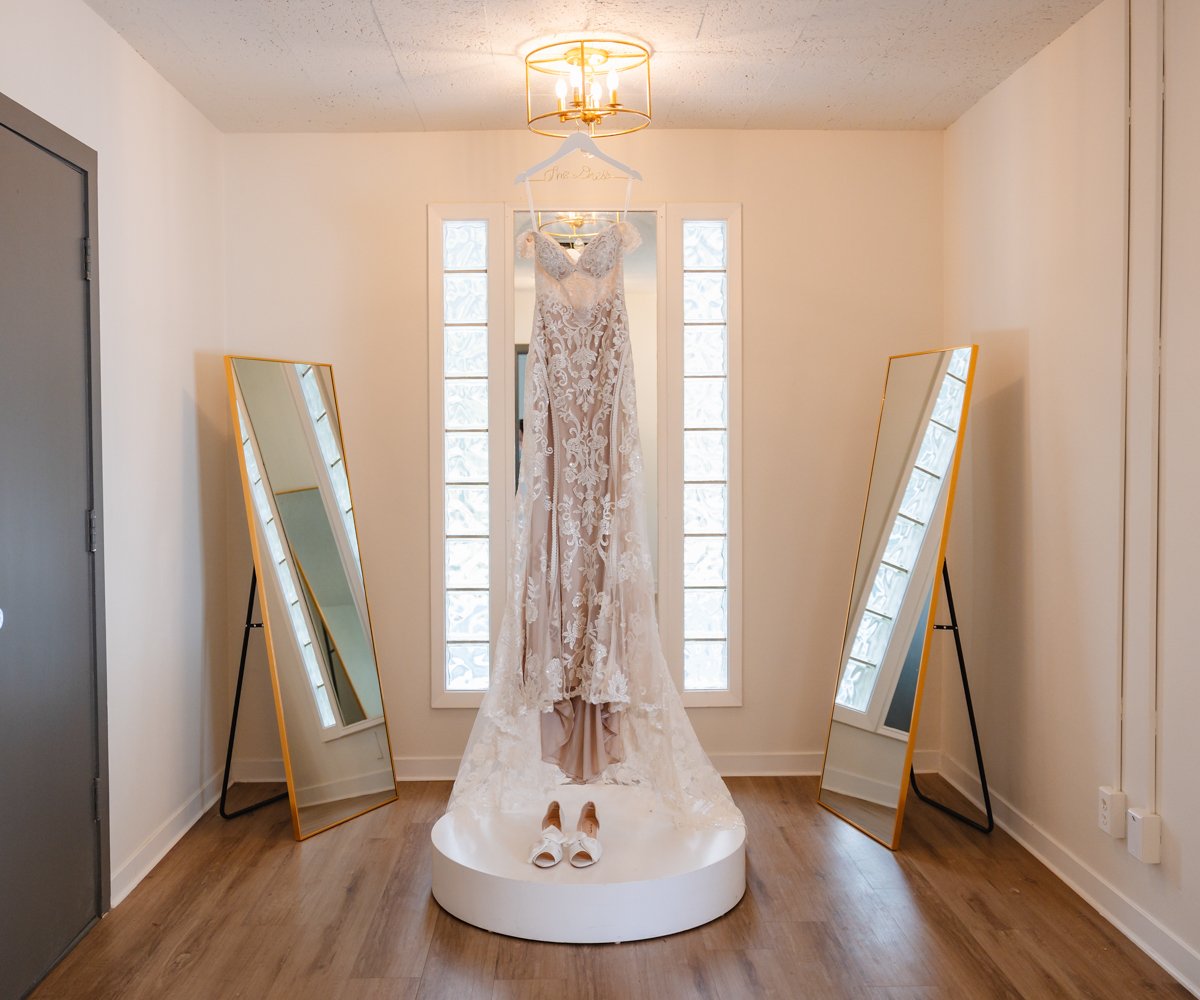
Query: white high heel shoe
x,y
583,847
548,851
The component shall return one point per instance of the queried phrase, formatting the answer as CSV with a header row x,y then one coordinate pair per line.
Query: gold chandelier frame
x,y
578,64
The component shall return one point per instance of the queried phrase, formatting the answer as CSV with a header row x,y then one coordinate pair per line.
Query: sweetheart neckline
x,y
574,264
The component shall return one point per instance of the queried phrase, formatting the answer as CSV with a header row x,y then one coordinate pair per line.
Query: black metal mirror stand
x,y
237,701
962,669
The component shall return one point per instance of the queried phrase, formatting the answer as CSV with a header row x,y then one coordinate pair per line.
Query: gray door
x,y
49,834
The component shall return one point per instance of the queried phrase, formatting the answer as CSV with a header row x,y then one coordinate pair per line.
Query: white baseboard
x,y
1179,958
728,765
426,768
753,765
373,782
927,761
407,769
861,786
153,849
257,769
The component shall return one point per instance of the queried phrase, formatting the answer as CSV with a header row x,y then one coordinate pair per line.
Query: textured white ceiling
x,y
412,65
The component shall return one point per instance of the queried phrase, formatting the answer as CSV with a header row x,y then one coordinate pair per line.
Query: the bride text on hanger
x,y
584,143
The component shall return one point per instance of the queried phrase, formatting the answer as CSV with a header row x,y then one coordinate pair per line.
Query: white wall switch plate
x,y
1144,831
1112,811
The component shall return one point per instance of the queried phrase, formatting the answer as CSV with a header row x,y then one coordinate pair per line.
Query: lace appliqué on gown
x,y
580,689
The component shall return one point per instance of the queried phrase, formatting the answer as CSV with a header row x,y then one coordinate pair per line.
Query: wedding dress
x,y
580,690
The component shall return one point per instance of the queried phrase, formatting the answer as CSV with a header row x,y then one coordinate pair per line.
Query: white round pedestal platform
x,y
652,879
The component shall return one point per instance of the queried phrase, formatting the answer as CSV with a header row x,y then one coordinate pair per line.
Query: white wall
x,y
1035,245
164,420
324,257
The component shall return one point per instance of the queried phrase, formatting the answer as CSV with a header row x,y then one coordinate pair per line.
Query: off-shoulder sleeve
x,y
631,239
525,245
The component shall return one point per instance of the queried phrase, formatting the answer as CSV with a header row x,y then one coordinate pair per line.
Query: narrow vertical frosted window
x,y
705,456
465,447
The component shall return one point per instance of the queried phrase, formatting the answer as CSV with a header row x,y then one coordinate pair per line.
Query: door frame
x,y
24,123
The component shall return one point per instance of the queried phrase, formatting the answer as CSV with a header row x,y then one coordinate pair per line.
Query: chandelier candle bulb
x,y
612,88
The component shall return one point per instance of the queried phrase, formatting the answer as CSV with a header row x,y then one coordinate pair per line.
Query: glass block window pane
x,y
704,244
858,681
465,297
467,615
467,563
936,448
705,455
948,408
887,592
705,666
704,350
466,456
464,244
871,639
705,509
904,543
704,297
920,496
704,562
960,362
466,510
704,615
466,402
465,349
467,666
704,403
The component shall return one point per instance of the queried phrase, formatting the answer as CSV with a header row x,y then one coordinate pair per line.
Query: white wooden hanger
x,y
584,143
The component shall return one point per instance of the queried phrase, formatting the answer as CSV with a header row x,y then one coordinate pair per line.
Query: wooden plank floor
x,y
238,909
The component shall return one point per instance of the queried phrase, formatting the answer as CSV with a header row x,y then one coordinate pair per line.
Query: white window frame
x,y
499,217
499,375
670,437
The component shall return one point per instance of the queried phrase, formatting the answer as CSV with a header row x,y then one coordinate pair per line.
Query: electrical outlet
x,y
1112,811
1145,835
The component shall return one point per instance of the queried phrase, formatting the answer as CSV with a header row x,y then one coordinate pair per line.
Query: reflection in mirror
x,y
893,596
573,230
324,673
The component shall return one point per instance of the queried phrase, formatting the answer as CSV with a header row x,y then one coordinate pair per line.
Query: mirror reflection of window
x,y
923,490
328,434
281,566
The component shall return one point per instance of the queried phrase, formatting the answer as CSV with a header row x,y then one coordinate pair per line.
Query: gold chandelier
x,y
600,85
574,229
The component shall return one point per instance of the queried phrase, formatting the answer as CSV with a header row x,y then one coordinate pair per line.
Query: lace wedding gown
x,y
580,690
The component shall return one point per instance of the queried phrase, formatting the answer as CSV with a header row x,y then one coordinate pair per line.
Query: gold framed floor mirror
x,y
333,731
896,588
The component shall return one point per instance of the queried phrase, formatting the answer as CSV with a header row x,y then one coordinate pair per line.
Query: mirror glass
x,y
573,229
310,591
896,580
